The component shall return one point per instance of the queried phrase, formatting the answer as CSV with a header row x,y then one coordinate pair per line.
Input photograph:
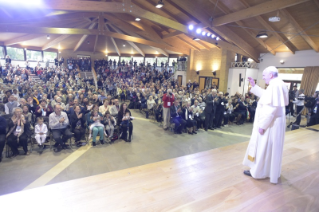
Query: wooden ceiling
x,y
97,26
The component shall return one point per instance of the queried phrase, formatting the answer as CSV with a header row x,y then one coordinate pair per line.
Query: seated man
x,y
58,122
115,108
176,116
314,114
11,105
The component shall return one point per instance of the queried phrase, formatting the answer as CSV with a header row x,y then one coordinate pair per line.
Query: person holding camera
x,y
300,102
314,111
168,100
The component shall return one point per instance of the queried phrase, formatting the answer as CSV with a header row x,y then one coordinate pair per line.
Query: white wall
x,y
233,79
300,59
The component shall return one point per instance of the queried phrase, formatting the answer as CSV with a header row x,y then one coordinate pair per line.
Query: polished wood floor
x,y
205,181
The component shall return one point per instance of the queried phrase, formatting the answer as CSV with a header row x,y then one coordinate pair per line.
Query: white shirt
x,y
300,102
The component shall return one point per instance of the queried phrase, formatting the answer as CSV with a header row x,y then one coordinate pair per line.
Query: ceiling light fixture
x,y
217,38
123,45
208,34
191,27
48,37
160,4
262,35
203,33
213,36
198,31
137,19
196,39
88,42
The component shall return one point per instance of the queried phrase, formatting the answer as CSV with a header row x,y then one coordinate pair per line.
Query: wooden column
x,y
190,67
227,58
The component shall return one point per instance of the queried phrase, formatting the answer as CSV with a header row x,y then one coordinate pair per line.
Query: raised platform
x,y
206,181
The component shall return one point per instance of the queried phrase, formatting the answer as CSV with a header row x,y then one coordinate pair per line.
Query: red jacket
x,y
167,99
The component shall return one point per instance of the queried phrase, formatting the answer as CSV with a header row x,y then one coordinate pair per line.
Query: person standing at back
x,y
265,148
168,100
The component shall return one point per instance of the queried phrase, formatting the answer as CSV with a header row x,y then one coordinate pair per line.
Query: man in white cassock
x,y
264,152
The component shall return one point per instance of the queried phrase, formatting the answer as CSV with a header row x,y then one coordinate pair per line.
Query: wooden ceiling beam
x,y
129,42
95,43
223,31
300,30
280,37
83,38
21,39
60,38
263,8
226,10
114,43
172,34
189,43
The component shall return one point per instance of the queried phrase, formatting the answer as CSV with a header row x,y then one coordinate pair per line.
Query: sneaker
x,y
226,125
93,143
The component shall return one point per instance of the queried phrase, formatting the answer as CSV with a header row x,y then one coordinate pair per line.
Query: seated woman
x,y
150,105
109,123
229,116
96,127
43,109
27,116
121,114
78,120
188,116
18,132
105,107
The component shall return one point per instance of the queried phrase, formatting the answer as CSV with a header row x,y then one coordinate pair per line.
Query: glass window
x,y
150,60
15,53
138,59
126,59
49,56
170,61
113,58
34,55
2,52
160,60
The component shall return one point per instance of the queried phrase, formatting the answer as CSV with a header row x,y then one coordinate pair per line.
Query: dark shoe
x,y
247,172
0,159
190,133
64,146
78,144
129,140
93,143
194,132
205,129
102,142
165,128
211,128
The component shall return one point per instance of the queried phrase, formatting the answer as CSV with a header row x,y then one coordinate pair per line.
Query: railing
x,y
244,65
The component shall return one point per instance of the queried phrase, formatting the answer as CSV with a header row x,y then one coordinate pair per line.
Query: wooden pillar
x,y
227,58
191,73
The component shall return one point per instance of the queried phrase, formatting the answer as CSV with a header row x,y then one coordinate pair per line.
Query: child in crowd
x,y
97,122
40,131
126,119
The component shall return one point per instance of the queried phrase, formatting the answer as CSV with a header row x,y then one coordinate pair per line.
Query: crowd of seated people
x,y
72,105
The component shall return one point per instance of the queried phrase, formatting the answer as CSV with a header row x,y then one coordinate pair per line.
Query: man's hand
x,y
80,116
261,131
252,81
62,120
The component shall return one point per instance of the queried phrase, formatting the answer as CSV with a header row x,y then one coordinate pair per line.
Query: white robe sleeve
x,y
267,116
258,91
36,129
45,129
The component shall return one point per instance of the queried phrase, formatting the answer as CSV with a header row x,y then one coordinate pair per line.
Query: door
x,y
180,80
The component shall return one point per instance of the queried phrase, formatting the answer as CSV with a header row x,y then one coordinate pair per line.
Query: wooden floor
x,y
205,181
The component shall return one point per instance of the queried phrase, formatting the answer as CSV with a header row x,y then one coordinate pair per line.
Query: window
x,y
138,59
150,60
83,56
49,56
113,58
34,55
126,59
2,52
15,53
160,60
170,61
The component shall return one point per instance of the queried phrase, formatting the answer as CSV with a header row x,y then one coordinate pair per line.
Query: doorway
x,y
208,82
179,80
